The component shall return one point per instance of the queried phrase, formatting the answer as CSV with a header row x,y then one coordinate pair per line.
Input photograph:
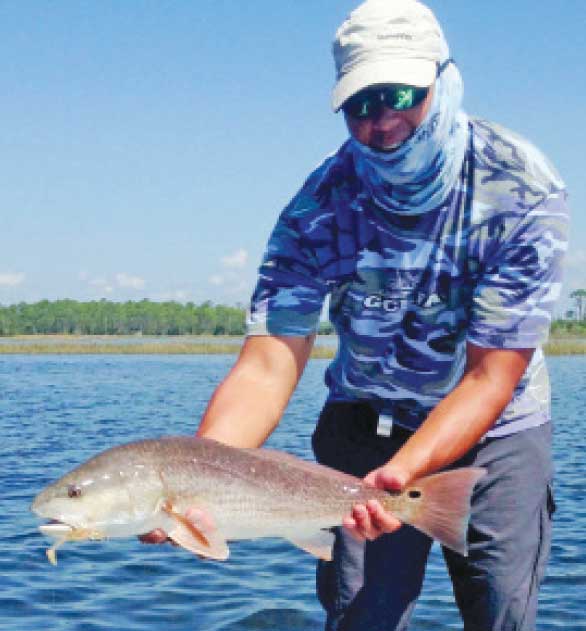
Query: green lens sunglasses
x,y
368,103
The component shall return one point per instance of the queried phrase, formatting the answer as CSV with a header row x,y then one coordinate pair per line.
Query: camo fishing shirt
x,y
408,291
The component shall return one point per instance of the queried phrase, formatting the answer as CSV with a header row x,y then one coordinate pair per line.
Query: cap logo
x,y
406,36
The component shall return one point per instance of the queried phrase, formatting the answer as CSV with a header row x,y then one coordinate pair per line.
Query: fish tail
x,y
441,506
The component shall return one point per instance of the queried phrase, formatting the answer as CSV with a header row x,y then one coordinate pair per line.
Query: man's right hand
x,y
154,536
200,519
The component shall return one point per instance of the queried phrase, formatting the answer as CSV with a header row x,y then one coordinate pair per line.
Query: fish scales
x,y
265,478
247,488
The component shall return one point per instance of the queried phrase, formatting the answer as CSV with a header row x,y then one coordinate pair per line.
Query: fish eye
x,y
73,490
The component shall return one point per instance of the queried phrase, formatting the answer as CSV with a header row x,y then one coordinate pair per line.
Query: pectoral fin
x,y
186,534
319,545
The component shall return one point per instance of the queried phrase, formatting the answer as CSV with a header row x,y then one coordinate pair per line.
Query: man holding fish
x,y
438,239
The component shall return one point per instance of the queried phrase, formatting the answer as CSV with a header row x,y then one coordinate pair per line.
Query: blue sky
x,y
148,146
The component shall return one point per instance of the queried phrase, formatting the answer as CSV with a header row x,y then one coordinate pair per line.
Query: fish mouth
x,y
62,533
67,532
59,515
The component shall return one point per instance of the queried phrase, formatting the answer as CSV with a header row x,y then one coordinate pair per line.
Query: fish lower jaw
x,y
60,525
56,529
66,532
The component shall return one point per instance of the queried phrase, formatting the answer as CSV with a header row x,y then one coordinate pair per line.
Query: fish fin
x,y
189,536
319,545
443,506
214,549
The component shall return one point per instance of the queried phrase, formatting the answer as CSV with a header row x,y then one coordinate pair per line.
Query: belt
x,y
371,421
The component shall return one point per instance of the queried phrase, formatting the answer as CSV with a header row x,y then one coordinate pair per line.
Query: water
x,y
57,411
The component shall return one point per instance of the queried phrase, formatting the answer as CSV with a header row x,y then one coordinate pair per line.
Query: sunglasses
x,y
368,103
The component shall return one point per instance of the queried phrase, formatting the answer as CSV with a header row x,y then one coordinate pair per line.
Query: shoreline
x,y
190,345
131,345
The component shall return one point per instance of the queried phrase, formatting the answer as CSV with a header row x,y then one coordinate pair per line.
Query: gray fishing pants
x,y
374,587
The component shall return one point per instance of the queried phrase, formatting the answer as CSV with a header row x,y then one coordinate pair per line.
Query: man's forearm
x,y
451,430
460,420
242,412
249,403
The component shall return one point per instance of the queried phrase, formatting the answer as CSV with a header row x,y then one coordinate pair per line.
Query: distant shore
x,y
135,345
190,345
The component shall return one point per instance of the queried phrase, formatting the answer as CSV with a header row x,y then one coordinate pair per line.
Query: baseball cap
x,y
386,41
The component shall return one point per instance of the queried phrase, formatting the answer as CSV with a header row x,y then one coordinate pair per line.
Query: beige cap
x,y
386,41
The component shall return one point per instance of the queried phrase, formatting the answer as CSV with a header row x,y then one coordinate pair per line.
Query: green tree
x,y
579,296
129,318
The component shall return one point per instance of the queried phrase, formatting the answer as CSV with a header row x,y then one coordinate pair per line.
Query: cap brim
x,y
417,72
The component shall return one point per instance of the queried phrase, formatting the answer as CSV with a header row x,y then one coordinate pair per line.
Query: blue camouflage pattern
x,y
407,291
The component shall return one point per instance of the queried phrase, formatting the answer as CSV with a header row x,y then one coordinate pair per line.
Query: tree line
x,y
70,317
579,312
571,327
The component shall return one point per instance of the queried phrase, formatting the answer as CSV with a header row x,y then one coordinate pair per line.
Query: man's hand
x,y
155,536
370,520
200,519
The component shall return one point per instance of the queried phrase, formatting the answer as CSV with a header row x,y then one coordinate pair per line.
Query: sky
x,y
148,146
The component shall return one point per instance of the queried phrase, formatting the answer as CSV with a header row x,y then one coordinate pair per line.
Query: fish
x,y
134,488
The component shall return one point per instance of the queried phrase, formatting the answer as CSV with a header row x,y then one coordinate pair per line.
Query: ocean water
x,y
56,411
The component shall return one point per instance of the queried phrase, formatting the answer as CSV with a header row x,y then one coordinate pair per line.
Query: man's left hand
x,y
370,520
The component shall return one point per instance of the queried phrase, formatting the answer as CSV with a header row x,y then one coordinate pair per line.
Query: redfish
x,y
132,489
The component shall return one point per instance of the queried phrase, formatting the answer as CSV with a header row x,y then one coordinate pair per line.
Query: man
x,y
439,240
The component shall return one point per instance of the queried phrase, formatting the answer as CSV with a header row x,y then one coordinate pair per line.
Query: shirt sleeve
x,y
513,301
289,294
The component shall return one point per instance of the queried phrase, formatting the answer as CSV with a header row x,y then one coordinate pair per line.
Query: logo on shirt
x,y
396,295
392,303
405,289
389,304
